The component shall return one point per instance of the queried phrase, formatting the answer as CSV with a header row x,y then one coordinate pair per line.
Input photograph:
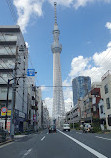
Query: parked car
x,y
52,129
66,127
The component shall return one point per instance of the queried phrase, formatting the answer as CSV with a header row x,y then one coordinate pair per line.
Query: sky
x,y
85,35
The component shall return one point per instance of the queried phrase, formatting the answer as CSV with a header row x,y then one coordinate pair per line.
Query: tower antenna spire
x,y
55,4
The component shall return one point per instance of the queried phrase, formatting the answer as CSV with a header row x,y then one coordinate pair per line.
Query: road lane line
x,y
6,145
27,152
78,133
43,138
102,138
94,152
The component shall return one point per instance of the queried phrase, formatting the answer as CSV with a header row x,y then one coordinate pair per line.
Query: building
x,y
87,108
58,101
13,66
39,111
32,104
81,86
73,116
102,114
46,119
106,95
96,96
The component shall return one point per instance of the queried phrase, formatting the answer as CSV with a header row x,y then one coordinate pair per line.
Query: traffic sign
x,y
4,109
30,72
8,113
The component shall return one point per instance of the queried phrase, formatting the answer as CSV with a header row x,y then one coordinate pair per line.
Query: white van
x,y
66,127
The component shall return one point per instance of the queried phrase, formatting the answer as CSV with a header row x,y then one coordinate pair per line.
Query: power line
x,y
11,9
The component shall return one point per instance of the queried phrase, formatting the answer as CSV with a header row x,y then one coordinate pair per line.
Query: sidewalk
x,y
7,141
10,140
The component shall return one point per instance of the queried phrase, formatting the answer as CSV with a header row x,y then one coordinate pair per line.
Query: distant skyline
x,y
85,33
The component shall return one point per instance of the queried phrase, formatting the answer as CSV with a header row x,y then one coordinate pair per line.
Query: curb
x,y
6,142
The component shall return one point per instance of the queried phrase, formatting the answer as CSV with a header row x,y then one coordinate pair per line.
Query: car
x,y
52,129
66,127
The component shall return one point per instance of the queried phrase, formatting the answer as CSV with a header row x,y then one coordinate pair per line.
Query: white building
x,y
102,114
13,50
46,119
106,95
73,116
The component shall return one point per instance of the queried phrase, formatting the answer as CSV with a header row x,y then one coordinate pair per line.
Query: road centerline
x,y
27,152
103,138
43,138
94,152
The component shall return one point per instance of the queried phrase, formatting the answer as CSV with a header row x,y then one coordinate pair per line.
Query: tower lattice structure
x,y
58,100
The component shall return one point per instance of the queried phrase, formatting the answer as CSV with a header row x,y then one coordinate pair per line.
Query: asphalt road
x,y
59,145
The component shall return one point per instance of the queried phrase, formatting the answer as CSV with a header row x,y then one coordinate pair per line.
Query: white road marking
x,y
102,138
6,145
27,152
47,132
20,136
78,133
94,152
43,138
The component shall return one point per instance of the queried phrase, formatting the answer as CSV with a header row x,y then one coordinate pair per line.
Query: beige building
x,y
87,108
106,95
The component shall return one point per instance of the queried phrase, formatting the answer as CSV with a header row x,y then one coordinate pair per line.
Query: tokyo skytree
x,y
58,101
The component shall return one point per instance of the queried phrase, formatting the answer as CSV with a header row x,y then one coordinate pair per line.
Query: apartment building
x,y
13,63
106,95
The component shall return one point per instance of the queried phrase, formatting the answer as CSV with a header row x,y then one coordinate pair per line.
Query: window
x,y
101,109
109,120
106,89
108,103
4,75
3,90
94,108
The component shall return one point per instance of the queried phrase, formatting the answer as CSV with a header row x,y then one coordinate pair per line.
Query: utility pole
x,y
23,76
14,95
7,104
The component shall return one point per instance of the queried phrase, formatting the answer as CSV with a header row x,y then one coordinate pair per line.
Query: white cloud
x,y
27,45
76,3
66,3
25,9
108,25
78,65
43,88
95,67
81,3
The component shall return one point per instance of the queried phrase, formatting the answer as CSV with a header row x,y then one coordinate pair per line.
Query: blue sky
x,y
84,37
